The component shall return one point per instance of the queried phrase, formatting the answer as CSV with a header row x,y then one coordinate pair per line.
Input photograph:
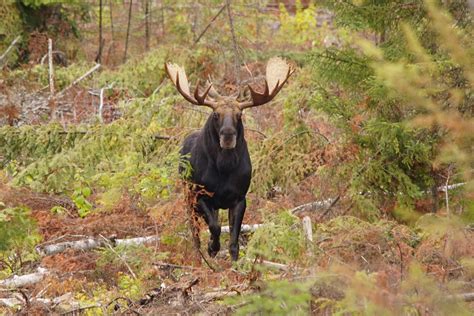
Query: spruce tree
x,y
393,67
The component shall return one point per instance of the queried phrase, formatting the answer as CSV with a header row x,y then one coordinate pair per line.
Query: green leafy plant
x,y
277,298
18,237
79,197
280,239
375,92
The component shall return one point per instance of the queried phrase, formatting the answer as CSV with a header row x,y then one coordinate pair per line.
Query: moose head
x,y
227,111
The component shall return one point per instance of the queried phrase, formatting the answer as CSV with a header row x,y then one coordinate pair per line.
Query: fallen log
x,y
466,297
24,280
91,243
244,228
312,206
64,304
317,205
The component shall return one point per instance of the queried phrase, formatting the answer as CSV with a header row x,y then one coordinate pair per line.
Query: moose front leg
x,y
236,215
211,216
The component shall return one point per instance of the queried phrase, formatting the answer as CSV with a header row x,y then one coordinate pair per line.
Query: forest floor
x,y
187,284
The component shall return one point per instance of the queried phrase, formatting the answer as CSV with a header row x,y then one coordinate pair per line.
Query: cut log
x,y
24,280
91,243
312,206
243,229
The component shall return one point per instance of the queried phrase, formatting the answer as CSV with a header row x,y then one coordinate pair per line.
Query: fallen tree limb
x,y
209,24
24,280
219,294
91,243
271,264
312,206
244,229
5,54
275,265
466,297
164,265
450,187
88,73
328,203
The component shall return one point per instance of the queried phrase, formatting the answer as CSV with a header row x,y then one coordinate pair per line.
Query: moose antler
x,y
178,76
277,73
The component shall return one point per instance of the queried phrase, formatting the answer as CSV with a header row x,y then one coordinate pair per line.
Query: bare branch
x,y
209,24
5,54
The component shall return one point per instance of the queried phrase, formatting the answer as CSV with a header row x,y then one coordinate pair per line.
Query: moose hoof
x,y
234,253
212,250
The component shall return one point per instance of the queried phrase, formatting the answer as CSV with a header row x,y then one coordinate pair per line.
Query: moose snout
x,y
227,138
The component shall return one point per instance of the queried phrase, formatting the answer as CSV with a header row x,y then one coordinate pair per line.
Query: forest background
x,y
362,181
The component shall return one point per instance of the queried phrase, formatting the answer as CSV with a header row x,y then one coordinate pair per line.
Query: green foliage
x,y
281,161
378,94
120,157
130,287
422,290
364,295
63,76
136,256
10,28
38,3
277,298
138,76
280,239
301,27
79,197
18,237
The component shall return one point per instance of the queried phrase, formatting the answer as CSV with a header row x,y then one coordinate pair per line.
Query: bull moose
x,y
218,153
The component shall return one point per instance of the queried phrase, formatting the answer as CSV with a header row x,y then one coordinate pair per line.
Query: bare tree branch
x,y
5,54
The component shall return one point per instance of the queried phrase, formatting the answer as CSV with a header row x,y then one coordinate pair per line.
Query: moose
x,y
218,154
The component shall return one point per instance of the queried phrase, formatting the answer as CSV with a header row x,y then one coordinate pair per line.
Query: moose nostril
x,y
228,132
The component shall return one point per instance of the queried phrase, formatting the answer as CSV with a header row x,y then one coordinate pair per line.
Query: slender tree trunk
x,y
128,31
258,25
52,101
162,18
234,42
147,24
209,24
98,59
111,20
194,20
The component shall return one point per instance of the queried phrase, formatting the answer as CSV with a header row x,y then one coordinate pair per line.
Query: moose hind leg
x,y
236,215
211,216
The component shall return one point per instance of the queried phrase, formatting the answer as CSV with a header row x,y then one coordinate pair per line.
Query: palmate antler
x,y
180,80
277,73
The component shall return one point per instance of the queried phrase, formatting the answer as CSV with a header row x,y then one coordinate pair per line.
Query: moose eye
x,y
215,115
